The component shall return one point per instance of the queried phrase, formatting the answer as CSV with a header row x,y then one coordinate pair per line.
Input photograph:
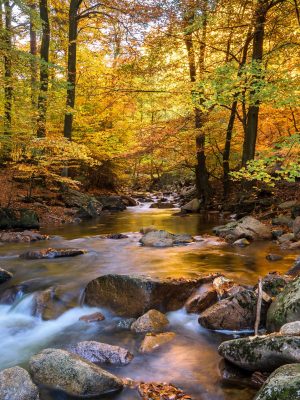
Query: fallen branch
x,y
258,306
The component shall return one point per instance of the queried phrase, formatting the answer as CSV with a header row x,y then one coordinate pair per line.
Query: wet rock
x,y
241,242
274,257
273,283
222,285
19,237
285,308
72,374
16,384
283,384
247,227
295,269
5,275
52,302
291,328
235,376
22,218
286,238
283,220
97,352
164,239
193,206
203,299
116,236
129,201
112,203
157,391
237,312
152,321
125,323
95,317
261,353
88,206
277,233
133,295
287,204
296,228
154,341
51,253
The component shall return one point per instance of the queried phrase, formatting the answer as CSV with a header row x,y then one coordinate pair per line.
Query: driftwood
x,y
258,306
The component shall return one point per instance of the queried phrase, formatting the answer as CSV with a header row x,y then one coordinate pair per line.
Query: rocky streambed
x,y
103,310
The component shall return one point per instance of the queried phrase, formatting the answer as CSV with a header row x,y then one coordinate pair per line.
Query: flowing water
x,y
191,360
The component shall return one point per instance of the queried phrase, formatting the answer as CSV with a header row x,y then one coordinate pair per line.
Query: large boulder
x,y
205,297
153,321
88,206
16,384
164,239
237,312
97,352
5,275
261,353
112,203
291,328
273,283
192,206
162,205
72,374
20,237
282,384
285,308
51,253
133,295
247,227
22,218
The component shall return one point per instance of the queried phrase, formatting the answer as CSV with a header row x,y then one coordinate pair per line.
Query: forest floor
x,y
46,201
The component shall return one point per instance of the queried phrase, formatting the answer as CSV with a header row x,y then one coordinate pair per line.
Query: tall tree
x,y
260,17
8,86
33,53
72,59
202,177
44,68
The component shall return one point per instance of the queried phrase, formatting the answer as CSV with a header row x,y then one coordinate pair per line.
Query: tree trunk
x,y
257,56
227,148
72,56
202,179
33,52
44,69
8,88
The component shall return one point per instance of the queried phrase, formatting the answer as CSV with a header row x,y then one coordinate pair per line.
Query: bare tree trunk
x,y
202,179
230,126
44,68
33,52
257,56
8,88
72,58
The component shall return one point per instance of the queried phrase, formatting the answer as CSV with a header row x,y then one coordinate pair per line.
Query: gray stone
x,y
193,206
282,384
261,353
296,228
97,352
291,328
283,220
274,257
243,242
51,253
287,204
88,206
153,321
16,384
285,308
133,295
162,238
237,312
247,227
72,374
5,275
18,218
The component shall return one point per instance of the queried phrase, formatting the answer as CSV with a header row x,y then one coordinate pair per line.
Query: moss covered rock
x,y
283,384
261,353
285,308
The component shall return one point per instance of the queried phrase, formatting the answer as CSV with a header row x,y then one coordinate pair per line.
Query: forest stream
x,y
191,360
